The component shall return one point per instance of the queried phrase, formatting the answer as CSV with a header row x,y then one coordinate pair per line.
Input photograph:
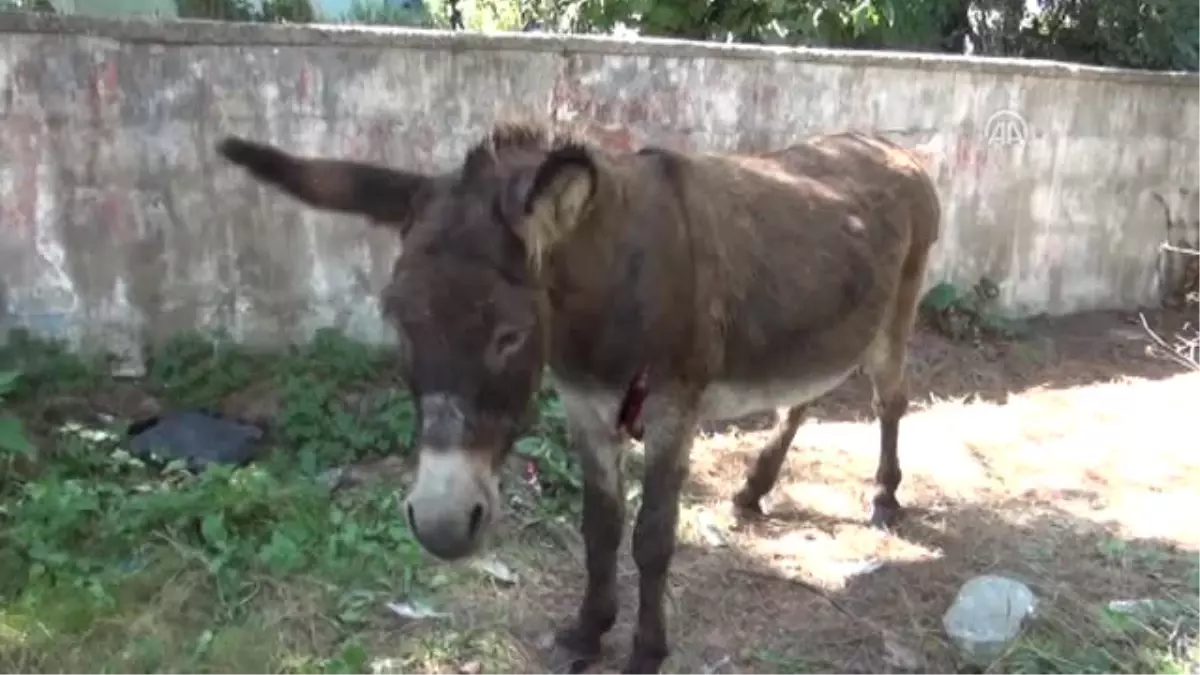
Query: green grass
x,y
1112,643
1074,636
111,564
108,563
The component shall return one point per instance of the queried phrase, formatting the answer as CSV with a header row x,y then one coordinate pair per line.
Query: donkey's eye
x,y
508,339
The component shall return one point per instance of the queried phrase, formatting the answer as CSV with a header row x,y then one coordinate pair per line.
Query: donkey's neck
x,y
622,294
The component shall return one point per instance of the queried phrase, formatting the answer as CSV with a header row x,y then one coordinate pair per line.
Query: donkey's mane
x,y
516,135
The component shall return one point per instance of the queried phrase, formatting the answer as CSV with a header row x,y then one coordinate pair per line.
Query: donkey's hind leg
x,y
886,366
765,472
890,403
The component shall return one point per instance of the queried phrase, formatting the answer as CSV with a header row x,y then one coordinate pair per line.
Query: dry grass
x,y
1070,489
1080,480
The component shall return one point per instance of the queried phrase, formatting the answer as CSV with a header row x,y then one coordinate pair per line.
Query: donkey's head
x,y
465,299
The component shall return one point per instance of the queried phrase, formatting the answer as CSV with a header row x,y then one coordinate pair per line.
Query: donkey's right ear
x,y
386,196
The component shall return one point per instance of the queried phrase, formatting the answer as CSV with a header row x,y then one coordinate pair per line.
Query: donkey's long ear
x,y
557,200
386,196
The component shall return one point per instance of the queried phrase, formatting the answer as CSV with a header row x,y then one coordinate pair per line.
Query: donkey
x,y
662,288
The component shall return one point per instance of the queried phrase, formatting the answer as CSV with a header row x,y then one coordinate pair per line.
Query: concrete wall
x,y
117,223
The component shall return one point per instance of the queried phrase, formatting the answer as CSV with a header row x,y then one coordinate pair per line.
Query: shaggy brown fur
x,y
721,284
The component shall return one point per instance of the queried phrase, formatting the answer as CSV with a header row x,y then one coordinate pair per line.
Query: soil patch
x,y
1066,460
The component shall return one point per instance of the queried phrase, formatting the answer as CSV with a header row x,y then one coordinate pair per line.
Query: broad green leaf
x,y
860,11
13,440
8,380
941,297
212,526
355,656
889,12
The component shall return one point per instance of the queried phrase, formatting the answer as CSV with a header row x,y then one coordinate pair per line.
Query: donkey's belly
x,y
731,399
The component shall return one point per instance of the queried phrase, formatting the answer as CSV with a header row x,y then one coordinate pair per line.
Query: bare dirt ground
x,y
1067,460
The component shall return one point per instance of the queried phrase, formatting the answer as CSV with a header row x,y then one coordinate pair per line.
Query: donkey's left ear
x,y
558,199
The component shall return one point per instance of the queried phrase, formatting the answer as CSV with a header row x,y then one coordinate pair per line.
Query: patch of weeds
x,y
76,538
320,429
336,358
111,563
449,649
232,520
1119,553
48,367
352,657
783,663
34,371
337,405
969,314
332,409
108,562
192,369
1101,640
14,441
558,474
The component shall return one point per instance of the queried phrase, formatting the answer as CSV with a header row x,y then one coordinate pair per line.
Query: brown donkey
x,y
662,288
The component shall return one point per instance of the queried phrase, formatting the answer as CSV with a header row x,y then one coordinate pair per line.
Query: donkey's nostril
x,y
476,520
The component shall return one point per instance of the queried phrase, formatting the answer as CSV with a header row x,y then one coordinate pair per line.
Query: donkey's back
x,y
803,257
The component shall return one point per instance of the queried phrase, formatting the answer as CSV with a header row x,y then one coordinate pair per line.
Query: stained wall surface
x,y
119,224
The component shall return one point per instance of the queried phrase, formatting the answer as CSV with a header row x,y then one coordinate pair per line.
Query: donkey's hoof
x,y
640,668
572,652
746,505
642,664
885,513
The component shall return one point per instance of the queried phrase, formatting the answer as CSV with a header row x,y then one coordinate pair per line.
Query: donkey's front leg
x,y
599,448
670,428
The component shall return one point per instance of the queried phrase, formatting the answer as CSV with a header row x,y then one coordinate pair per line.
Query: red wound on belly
x,y
629,418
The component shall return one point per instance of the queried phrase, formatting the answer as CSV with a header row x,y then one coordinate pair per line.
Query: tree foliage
x,y
272,11
1146,34
1150,34
41,6
381,14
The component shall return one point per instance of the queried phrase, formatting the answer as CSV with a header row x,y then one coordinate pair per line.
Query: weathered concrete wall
x,y
117,222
